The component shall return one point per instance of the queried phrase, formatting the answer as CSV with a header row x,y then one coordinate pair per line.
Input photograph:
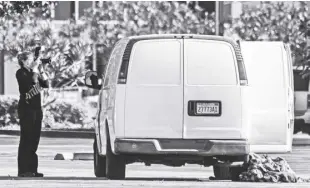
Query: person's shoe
x,y
37,174
26,174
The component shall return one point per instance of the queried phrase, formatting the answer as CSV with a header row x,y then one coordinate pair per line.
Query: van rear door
x,y
268,77
154,90
212,94
290,79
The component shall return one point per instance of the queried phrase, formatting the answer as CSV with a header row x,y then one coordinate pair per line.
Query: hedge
x,y
58,115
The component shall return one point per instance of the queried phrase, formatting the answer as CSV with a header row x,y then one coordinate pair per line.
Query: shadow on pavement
x,y
50,178
94,178
165,179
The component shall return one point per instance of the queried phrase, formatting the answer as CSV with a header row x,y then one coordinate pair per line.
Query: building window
x,y
84,5
64,10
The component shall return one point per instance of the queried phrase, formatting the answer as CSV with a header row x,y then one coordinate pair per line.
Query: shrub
x,y
59,115
8,110
275,21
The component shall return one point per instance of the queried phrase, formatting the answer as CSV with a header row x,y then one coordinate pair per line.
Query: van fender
x,y
97,137
111,134
102,137
106,131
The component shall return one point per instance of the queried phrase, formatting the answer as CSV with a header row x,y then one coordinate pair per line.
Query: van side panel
x,y
246,112
119,109
154,90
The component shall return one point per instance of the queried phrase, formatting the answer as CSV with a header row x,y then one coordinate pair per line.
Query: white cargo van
x,y
270,78
176,99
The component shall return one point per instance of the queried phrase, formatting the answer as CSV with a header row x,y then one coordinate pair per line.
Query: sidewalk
x,y
301,139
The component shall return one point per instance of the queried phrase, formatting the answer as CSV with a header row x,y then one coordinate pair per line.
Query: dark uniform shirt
x,y
26,80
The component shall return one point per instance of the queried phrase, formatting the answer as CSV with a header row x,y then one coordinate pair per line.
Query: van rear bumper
x,y
182,146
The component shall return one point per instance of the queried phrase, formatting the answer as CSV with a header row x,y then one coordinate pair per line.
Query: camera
x,y
46,61
43,60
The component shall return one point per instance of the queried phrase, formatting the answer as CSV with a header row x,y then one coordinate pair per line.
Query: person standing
x,y
31,77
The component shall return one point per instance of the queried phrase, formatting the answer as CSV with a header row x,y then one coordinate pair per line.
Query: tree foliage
x,y
66,46
10,9
275,21
113,20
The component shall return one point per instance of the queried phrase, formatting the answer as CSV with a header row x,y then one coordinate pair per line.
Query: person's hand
x,y
35,69
41,68
42,72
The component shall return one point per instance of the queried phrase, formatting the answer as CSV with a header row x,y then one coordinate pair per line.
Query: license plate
x,y
207,108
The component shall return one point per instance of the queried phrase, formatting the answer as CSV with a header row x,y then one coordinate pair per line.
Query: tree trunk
x,y
1,72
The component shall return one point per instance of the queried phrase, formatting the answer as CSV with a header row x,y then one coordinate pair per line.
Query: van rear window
x,y
210,63
300,84
155,62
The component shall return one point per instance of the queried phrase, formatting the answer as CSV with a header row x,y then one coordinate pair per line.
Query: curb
x,y
74,156
301,141
55,134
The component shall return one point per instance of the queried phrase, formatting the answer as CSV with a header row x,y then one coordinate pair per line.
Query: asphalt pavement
x,y
72,173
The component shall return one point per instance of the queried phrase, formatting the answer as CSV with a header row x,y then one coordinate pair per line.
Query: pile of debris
x,y
267,169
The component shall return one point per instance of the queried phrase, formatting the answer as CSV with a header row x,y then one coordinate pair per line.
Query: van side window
x,y
114,63
107,75
210,63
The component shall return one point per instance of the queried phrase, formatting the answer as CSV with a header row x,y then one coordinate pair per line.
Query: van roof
x,y
171,36
130,41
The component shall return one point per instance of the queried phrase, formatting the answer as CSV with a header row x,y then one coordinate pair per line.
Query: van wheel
x,y
99,162
116,166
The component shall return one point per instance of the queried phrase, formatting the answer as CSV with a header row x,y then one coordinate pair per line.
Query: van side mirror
x,y
92,81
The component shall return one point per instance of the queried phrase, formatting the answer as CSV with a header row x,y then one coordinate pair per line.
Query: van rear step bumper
x,y
181,146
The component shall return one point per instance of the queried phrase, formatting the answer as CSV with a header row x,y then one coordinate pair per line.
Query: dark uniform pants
x,y
30,125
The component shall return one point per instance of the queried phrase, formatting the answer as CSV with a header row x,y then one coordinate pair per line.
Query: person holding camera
x,y
31,78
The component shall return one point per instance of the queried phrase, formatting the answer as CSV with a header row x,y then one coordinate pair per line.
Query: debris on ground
x,y
267,169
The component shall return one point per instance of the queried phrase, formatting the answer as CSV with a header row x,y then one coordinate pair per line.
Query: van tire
x,y
99,162
116,166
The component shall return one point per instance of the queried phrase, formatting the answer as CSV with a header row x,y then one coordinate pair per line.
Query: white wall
x,y
10,82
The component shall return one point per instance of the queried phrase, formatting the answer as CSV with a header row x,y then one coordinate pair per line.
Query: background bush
x,y
8,111
275,21
59,115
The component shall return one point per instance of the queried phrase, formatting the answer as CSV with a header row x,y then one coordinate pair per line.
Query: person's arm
x,y
22,82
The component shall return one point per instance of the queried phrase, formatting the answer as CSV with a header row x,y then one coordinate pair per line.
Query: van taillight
x,y
243,82
308,100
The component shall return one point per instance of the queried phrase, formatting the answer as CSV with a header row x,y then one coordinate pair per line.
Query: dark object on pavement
x,y
26,174
31,174
228,171
39,175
